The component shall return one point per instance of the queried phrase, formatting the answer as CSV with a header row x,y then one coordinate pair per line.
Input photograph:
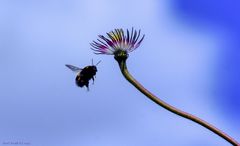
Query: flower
x,y
117,41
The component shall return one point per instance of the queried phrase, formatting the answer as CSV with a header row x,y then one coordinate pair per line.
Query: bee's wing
x,y
73,68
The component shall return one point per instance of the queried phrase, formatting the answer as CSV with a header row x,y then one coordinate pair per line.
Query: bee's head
x,y
94,68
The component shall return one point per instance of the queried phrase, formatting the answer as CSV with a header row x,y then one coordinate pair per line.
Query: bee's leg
x,y
87,86
93,79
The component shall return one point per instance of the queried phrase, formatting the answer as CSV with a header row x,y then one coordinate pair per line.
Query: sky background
x,y
190,58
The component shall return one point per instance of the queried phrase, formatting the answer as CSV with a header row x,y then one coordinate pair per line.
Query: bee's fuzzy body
x,y
84,74
87,73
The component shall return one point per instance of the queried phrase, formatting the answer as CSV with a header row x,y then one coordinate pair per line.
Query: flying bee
x,y
84,74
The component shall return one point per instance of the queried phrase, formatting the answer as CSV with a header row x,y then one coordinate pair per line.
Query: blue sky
x,y
189,58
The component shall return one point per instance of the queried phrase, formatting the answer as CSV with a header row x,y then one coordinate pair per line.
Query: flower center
x,y
120,55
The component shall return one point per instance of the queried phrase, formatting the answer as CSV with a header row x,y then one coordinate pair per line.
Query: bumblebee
x,y
84,74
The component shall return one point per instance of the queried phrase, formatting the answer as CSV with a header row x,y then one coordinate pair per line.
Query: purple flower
x,y
117,40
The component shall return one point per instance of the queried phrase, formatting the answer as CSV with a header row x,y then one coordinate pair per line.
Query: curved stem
x,y
127,75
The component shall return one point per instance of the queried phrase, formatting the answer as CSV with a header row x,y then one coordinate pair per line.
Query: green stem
x,y
127,75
